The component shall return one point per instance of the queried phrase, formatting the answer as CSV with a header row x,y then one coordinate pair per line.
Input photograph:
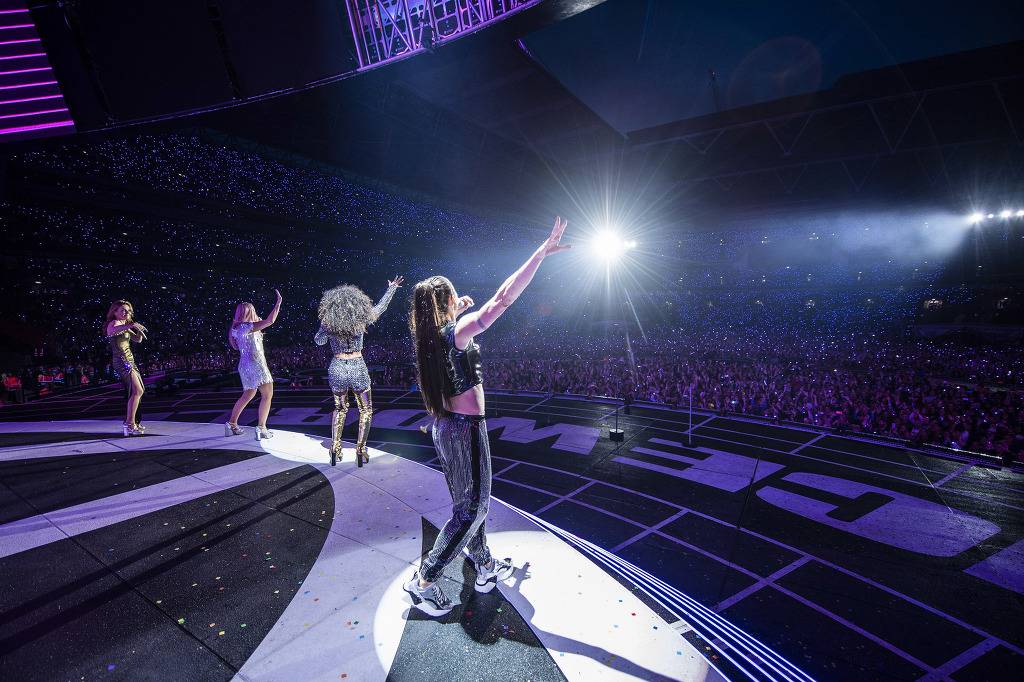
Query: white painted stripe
x,y
810,442
951,475
960,660
551,504
747,591
641,535
35,531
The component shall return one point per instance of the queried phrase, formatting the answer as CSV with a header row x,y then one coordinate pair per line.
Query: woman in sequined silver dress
x,y
246,336
345,312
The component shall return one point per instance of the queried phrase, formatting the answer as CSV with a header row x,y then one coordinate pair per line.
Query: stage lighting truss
x,y
386,30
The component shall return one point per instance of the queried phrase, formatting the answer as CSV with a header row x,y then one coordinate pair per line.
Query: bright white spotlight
x,y
991,215
975,218
607,246
1005,214
631,244
1020,214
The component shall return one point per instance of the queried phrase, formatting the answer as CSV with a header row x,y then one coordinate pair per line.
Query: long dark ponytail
x,y
426,319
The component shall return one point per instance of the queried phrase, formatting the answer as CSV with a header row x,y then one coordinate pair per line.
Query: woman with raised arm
x,y
345,312
451,383
246,336
121,329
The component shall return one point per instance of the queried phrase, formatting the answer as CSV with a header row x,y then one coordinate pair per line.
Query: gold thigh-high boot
x,y
365,403
340,412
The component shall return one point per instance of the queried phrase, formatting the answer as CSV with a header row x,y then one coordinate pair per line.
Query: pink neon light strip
x,y
38,126
27,85
25,56
36,113
4,28
13,11
28,99
11,73
22,40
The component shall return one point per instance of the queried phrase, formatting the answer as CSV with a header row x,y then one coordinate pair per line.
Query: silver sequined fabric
x,y
252,363
345,374
465,454
351,373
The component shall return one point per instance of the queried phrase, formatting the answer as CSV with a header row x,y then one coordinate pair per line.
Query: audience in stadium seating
x,y
823,343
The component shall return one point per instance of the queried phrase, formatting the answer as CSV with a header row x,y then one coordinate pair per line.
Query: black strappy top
x,y
464,370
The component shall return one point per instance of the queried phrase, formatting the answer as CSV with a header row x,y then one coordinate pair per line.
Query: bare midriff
x,y
469,402
348,356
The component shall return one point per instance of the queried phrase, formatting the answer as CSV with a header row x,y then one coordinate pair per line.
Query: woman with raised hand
x,y
450,379
345,312
121,329
246,336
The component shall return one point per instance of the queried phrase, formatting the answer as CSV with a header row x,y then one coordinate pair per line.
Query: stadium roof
x,y
811,101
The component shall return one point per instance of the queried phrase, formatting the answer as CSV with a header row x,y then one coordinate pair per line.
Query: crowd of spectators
x,y
62,230
43,380
949,393
786,323
957,395
186,164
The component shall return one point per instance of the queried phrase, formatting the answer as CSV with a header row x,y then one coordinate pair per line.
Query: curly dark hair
x,y
345,311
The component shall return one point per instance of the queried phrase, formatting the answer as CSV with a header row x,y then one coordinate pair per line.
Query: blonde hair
x,y
244,312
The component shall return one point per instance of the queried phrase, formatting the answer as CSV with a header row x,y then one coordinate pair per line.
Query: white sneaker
x,y
487,578
430,600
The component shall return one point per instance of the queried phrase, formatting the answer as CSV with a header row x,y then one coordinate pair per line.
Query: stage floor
x,y
187,555
852,559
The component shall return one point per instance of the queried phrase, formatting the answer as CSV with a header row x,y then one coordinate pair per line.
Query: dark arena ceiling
x,y
514,112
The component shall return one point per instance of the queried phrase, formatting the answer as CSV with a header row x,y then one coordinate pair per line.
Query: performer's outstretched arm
x,y
137,331
322,336
477,322
272,317
385,300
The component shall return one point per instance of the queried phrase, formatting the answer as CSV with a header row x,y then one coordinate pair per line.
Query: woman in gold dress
x,y
121,329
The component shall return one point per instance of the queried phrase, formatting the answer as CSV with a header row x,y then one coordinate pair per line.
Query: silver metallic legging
x,y
461,443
